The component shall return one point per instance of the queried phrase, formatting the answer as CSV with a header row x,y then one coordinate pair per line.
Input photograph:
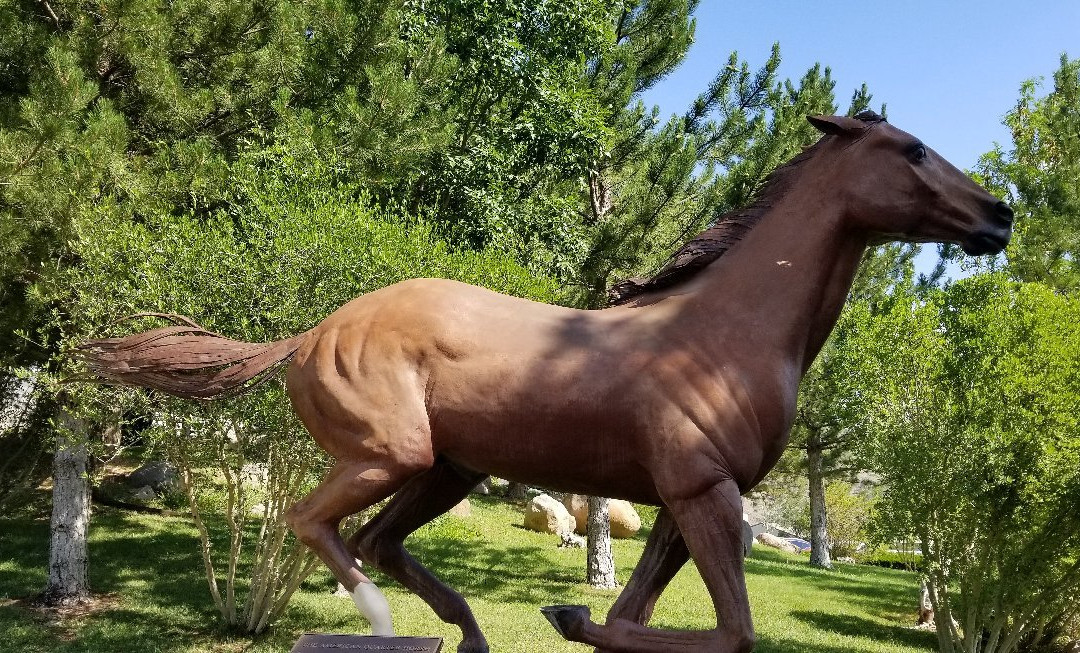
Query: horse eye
x,y
918,153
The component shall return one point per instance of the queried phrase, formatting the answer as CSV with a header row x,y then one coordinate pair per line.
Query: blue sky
x,y
946,70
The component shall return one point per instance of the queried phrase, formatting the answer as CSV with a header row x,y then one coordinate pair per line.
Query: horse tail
x,y
186,360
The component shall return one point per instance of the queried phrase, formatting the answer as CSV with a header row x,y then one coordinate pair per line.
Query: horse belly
x,y
568,460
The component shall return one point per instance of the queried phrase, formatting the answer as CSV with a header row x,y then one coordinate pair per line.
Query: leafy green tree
x,y
521,120
141,106
971,405
1040,177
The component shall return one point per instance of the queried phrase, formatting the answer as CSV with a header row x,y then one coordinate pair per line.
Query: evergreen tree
x,y
1040,178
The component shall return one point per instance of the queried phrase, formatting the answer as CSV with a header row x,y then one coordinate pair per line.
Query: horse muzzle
x,y
994,238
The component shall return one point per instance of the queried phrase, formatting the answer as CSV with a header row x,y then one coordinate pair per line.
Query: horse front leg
x,y
711,526
664,555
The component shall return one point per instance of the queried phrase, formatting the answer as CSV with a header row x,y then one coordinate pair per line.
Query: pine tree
x,y
1040,178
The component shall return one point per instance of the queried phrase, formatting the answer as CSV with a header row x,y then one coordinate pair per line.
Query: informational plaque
x,y
318,643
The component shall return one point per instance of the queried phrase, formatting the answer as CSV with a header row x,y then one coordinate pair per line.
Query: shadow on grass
x,y
853,626
24,556
787,645
865,583
518,574
156,567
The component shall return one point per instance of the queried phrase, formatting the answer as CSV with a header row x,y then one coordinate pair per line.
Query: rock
x,y
624,519
462,509
578,507
517,491
747,538
572,541
483,488
547,515
625,522
145,494
768,539
159,475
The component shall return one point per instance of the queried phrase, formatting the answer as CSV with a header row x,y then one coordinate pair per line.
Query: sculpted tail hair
x,y
186,360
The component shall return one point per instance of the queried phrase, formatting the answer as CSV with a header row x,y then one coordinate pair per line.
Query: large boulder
x,y
747,538
160,476
625,522
624,519
768,539
578,506
462,509
546,515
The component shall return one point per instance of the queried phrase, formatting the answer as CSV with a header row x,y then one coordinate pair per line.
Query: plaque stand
x,y
323,643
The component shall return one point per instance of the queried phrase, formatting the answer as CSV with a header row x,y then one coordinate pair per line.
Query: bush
x,y
847,516
882,557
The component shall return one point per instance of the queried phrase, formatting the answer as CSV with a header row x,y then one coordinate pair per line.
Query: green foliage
x,y
973,422
1040,178
136,109
882,557
291,251
848,517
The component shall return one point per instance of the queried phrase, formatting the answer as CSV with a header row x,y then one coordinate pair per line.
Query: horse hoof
x,y
568,620
467,647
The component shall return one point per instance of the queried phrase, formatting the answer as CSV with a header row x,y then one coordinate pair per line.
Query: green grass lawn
x,y
156,599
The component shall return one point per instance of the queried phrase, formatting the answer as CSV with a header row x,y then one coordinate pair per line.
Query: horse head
x,y
897,188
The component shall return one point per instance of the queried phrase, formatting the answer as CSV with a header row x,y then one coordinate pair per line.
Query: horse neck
x,y
781,289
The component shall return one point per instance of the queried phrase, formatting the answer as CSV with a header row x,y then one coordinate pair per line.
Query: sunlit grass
x,y
150,568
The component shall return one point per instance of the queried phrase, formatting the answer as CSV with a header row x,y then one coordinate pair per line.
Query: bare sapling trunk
x,y
264,492
926,608
600,564
70,515
819,536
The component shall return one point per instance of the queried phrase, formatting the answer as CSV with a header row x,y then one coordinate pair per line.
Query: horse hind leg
x,y
349,487
380,544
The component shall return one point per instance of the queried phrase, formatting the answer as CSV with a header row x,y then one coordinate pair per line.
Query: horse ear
x,y
837,125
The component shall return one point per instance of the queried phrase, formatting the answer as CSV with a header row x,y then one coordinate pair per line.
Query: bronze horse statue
x,y
680,395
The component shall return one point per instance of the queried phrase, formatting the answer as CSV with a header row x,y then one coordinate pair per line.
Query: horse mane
x,y
728,229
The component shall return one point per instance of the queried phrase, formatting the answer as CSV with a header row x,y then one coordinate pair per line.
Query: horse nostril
x,y
1004,213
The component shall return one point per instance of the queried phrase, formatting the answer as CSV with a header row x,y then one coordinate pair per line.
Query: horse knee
x,y
310,532
743,643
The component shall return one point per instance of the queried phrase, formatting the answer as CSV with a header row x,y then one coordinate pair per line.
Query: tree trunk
x,y
819,537
601,564
926,608
516,491
70,516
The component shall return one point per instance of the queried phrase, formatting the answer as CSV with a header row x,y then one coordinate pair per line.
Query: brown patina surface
x,y
682,395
